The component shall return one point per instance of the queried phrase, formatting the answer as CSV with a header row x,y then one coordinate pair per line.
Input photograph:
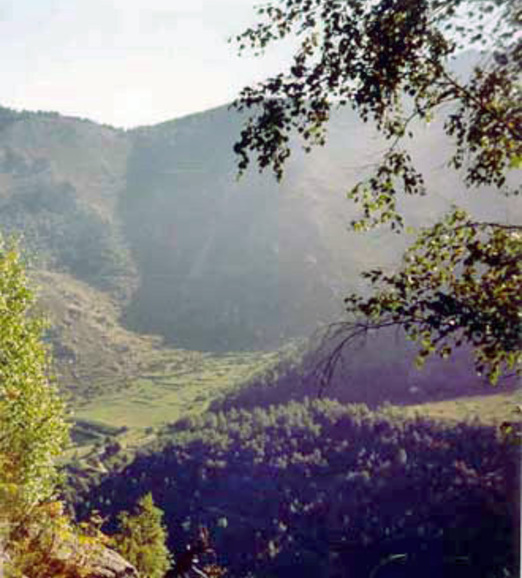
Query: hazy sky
x,y
124,62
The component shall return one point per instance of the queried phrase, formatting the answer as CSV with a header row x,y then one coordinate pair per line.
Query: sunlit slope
x,y
92,352
121,378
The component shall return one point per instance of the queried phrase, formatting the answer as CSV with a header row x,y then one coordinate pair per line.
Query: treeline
x,y
321,489
9,115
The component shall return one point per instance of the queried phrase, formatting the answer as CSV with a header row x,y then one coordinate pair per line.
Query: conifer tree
x,y
141,539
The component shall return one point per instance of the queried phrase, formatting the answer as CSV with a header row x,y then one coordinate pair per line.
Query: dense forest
x,y
323,489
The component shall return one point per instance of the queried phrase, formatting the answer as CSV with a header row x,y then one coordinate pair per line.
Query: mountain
x,y
156,217
149,232
224,265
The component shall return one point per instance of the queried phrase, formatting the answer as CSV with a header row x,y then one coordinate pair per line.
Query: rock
x,y
93,561
76,560
106,563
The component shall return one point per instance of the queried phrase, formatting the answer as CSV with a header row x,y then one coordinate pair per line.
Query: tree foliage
x,y
33,429
283,489
390,61
460,282
37,537
142,538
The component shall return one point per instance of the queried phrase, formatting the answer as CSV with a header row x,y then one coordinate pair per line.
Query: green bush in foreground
x,y
142,537
33,429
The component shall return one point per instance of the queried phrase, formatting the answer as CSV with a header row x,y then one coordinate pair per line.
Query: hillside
x,y
59,183
156,217
157,266
317,487
188,253
225,265
125,379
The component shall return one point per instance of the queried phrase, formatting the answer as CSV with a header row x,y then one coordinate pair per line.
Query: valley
x,y
171,288
186,314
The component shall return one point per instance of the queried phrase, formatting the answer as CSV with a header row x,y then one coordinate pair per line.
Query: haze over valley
x,y
176,292
260,289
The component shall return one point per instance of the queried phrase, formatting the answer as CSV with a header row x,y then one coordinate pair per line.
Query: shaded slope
x,y
374,370
225,265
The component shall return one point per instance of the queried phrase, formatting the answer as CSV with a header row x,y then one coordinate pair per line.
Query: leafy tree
x,y
390,61
37,537
33,429
142,537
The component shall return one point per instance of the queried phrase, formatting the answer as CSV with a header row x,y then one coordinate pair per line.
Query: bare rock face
x,y
106,563
96,561
87,562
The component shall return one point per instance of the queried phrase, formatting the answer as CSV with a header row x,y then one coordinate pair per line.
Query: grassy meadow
x,y
174,389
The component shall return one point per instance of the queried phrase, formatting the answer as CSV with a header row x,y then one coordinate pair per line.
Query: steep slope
x,y
225,265
157,217
247,264
59,183
221,265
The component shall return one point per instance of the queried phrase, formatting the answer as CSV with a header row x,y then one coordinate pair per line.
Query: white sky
x,y
125,62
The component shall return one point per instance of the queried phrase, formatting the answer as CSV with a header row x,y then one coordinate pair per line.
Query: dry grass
x,y
488,409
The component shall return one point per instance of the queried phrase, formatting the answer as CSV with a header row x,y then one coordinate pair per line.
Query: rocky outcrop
x,y
106,563
80,562
93,561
